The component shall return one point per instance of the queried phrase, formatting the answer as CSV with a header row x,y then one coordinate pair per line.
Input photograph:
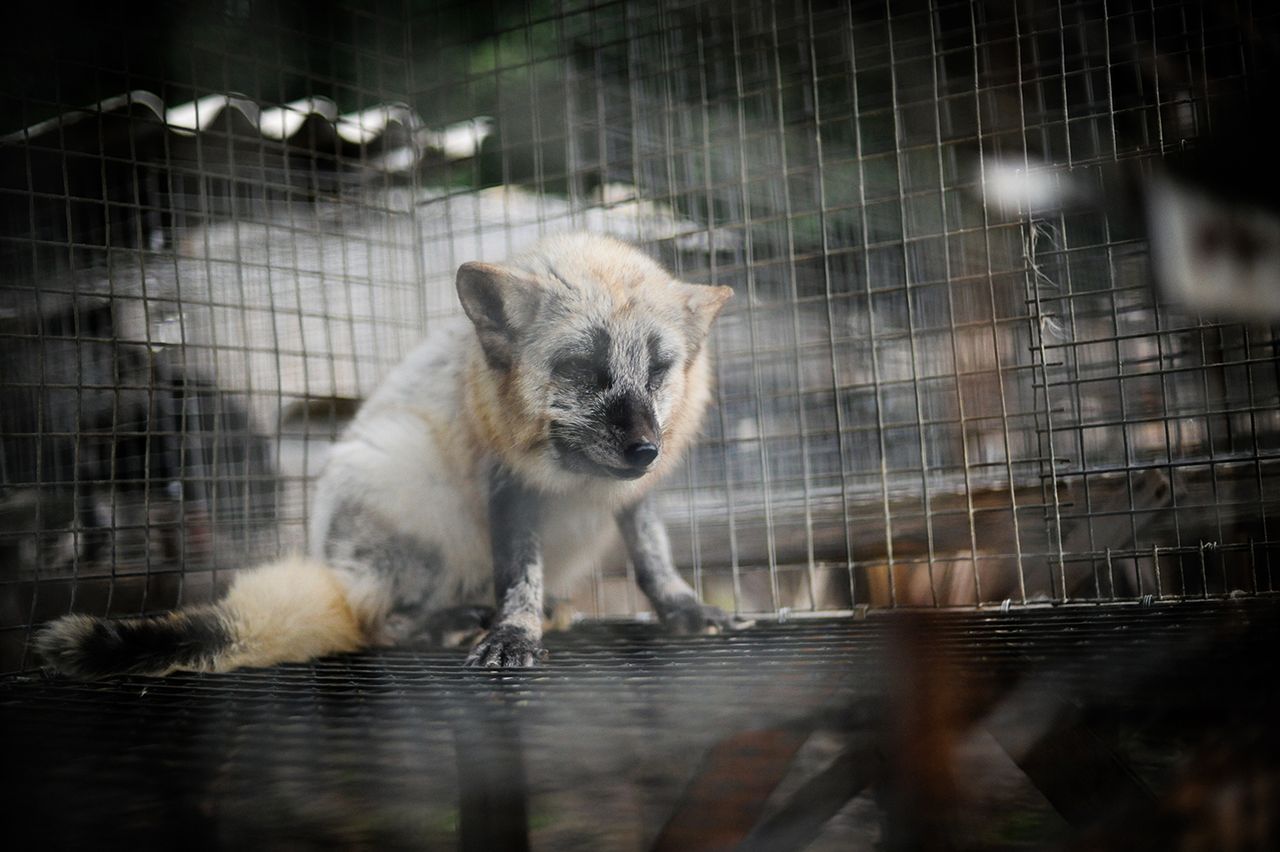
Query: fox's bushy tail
x,y
292,610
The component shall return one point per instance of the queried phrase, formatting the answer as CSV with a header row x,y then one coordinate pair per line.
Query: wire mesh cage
x,y
1003,341
946,381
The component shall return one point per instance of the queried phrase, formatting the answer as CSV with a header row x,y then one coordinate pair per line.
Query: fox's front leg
x,y
515,640
672,598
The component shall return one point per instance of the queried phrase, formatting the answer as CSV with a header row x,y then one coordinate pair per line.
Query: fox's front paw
x,y
690,615
507,647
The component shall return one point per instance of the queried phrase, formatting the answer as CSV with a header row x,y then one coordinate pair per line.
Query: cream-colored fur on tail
x,y
292,610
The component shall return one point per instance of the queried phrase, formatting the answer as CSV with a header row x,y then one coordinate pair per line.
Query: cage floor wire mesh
x,y
949,379
1068,728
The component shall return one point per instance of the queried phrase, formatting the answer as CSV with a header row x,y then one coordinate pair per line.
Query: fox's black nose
x,y
640,454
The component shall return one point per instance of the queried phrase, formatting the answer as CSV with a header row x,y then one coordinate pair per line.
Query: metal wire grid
x,y
181,287
599,749
907,362
925,397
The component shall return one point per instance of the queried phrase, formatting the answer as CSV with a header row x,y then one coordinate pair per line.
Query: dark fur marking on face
x,y
605,425
585,363
629,413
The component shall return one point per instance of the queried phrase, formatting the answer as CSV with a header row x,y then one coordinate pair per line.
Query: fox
x,y
518,439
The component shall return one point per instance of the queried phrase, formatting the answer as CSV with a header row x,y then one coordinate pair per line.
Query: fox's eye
x,y
658,374
582,371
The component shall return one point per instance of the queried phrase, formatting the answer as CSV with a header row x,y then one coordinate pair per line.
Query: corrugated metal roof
x,y
384,136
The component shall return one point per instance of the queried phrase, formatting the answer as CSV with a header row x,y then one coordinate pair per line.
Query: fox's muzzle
x,y
631,420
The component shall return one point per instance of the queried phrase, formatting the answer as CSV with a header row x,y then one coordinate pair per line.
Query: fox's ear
x,y
703,304
501,306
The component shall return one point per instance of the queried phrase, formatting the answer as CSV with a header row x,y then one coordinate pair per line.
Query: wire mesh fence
x,y
946,380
